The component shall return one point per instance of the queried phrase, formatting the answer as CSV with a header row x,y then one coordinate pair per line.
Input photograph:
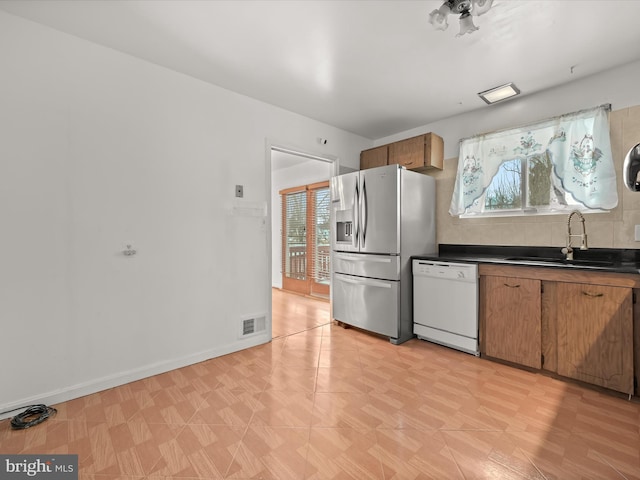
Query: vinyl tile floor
x,y
293,313
334,403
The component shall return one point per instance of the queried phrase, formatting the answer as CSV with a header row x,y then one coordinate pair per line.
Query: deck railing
x,y
297,263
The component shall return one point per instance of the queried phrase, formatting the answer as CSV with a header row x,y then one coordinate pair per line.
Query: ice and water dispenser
x,y
345,226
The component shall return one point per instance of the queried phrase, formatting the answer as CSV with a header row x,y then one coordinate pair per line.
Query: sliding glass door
x,y
305,239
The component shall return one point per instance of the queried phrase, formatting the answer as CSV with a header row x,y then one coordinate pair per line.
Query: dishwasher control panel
x,y
454,271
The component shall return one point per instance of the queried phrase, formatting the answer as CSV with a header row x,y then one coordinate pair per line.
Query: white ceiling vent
x,y
252,325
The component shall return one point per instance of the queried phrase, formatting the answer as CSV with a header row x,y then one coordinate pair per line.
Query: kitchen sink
x,y
562,261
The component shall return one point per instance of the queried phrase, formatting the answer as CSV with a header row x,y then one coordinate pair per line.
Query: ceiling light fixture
x,y
467,9
500,93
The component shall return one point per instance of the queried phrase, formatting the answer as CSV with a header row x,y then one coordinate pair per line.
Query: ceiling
x,y
374,68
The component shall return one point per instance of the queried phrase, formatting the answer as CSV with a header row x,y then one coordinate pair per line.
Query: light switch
x,y
637,235
239,191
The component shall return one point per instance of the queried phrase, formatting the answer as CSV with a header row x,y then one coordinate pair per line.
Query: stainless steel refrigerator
x,y
380,217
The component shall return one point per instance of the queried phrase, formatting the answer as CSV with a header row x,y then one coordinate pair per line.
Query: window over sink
x,y
550,167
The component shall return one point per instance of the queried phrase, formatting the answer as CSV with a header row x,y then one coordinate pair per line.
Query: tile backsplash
x,y
614,229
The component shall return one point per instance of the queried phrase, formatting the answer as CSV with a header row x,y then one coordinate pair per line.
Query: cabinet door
x,y
418,153
512,320
409,153
374,157
595,335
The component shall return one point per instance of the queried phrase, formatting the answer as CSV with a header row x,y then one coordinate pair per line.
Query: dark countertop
x,y
616,260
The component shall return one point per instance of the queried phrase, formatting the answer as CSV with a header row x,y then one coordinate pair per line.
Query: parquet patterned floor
x,y
293,313
334,403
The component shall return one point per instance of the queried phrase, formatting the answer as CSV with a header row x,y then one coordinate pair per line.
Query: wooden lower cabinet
x,y
576,324
595,334
512,312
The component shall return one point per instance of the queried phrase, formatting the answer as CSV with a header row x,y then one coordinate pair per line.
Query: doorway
x,y
293,171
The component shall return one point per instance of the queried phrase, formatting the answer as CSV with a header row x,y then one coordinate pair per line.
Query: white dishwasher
x,y
445,304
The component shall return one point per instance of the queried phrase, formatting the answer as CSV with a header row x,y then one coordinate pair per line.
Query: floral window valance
x,y
573,151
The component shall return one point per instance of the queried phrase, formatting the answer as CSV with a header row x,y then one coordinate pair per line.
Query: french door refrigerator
x,y
380,217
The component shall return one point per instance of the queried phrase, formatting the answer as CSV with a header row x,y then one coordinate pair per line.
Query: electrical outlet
x,y
239,191
637,233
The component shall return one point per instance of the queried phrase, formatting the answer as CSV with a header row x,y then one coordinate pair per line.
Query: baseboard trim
x,y
122,378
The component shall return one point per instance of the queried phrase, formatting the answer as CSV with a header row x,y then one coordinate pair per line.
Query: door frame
x,y
270,146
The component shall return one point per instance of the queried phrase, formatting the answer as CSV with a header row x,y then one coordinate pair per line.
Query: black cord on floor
x,y
33,415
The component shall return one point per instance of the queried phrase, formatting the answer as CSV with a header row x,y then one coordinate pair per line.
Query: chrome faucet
x,y
568,250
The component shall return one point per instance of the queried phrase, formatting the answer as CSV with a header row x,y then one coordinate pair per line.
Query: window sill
x,y
529,213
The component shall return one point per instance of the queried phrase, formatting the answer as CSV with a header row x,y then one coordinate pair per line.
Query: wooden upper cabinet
x,y
418,153
595,335
374,157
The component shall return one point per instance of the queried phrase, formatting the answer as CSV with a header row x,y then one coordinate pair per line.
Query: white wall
x,y
305,172
619,87
100,150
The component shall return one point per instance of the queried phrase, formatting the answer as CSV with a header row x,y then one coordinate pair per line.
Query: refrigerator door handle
x,y
363,281
358,257
356,219
363,201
